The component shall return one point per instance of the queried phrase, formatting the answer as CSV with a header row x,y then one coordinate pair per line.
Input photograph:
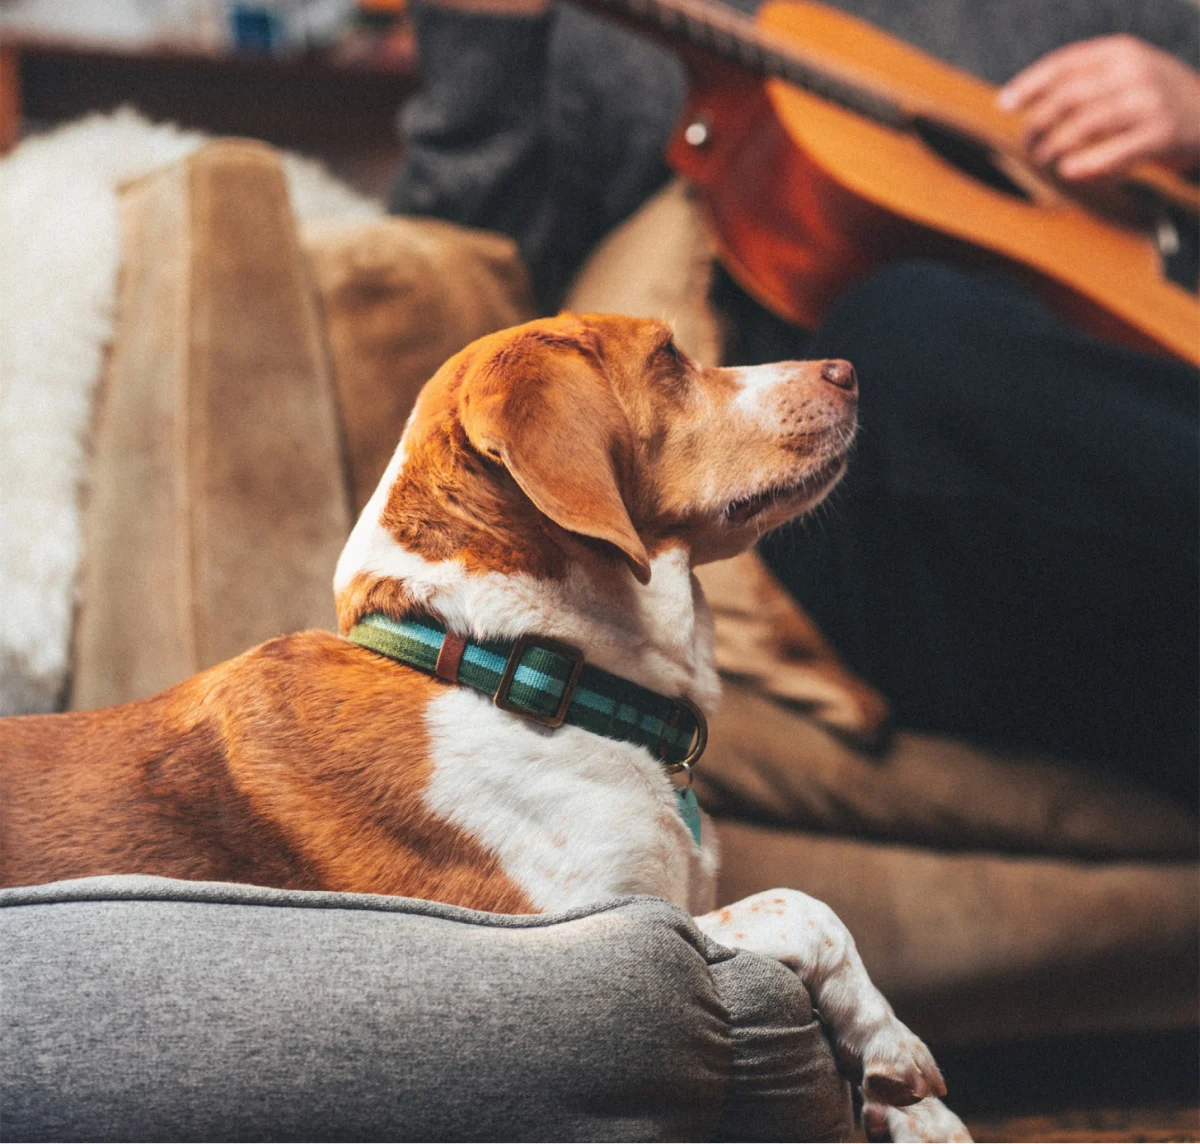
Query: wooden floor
x,y
1098,1125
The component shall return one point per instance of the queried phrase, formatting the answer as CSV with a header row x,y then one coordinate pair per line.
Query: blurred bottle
x,y
258,28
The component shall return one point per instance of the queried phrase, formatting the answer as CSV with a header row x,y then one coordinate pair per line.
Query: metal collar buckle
x,y
502,697
699,742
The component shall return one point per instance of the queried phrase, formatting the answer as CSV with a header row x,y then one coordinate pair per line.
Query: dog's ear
x,y
543,406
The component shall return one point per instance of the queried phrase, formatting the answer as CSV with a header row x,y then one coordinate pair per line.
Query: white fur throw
x,y
59,255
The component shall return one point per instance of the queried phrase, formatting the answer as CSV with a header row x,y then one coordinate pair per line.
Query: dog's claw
x,y
927,1120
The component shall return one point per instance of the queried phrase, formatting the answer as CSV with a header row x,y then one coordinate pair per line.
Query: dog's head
x,y
596,438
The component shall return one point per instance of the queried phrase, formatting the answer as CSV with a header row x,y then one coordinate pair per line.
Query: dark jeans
x,y
1013,556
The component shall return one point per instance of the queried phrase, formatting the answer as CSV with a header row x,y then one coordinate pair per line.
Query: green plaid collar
x,y
545,681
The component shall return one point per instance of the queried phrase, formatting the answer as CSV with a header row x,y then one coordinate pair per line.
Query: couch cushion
x,y
400,296
973,947
142,1008
657,264
764,640
767,761
218,502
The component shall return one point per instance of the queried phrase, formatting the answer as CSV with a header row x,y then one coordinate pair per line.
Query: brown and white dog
x,y
559,479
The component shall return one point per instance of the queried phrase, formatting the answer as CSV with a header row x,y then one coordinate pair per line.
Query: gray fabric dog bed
x,y
138,1008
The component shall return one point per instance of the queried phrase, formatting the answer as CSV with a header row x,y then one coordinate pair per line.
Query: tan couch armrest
x,y
218,503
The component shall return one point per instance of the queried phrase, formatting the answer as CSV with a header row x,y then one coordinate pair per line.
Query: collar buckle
x,y
503,694
699,740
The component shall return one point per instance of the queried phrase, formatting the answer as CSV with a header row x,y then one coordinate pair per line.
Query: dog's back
x,y
301,764
140,788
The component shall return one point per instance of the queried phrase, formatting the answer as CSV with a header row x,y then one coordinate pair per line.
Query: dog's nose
x,y
839,373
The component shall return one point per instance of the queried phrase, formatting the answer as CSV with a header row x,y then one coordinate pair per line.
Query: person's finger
x,y
1060,102
1114,155
1090,122
1051,70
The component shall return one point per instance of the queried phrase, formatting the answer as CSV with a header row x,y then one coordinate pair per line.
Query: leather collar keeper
x,y
546,682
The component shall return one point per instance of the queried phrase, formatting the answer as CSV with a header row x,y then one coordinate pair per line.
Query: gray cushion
x,y
149,1009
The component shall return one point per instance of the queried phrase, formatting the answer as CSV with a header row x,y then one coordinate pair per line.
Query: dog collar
x,y
546,682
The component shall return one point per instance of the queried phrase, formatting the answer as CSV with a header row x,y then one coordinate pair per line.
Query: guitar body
x,y
806,197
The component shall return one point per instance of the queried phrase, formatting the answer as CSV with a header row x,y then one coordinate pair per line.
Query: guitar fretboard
x,y
734,37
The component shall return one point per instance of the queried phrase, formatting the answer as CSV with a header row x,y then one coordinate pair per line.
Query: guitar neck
x,y
735,38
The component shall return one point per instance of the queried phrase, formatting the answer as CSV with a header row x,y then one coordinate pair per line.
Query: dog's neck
x,y
658,635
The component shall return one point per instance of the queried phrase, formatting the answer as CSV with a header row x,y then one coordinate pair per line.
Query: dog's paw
x,y
928,1120
898,1069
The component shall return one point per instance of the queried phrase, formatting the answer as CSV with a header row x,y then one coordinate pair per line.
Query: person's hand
x,y
1099,106
497,7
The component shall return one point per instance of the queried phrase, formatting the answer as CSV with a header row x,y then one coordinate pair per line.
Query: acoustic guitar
x,y
824,148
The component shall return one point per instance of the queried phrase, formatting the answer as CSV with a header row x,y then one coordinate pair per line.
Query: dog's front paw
x,y
897,1068
928,1120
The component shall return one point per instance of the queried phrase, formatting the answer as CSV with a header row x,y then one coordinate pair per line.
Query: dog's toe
x,y
928,1120
890,1090
899,1070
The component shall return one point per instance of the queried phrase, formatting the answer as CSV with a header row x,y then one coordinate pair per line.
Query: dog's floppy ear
x,y
544,407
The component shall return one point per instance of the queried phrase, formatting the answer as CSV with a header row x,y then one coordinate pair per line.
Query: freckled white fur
x,y
808,936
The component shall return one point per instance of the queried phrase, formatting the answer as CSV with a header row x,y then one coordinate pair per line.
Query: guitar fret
x,y
838,91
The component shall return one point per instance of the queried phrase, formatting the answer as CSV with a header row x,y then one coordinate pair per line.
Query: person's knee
x,y
906,286
907,304
904,328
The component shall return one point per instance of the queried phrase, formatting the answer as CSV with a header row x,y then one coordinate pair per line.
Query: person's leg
x,y
1013,555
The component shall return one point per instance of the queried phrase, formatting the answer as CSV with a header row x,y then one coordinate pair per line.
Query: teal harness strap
x,y
549,683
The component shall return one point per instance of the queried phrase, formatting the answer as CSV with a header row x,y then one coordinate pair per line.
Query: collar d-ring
x,y
699,742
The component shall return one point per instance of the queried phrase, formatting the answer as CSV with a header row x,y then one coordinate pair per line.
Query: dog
x,y
521,679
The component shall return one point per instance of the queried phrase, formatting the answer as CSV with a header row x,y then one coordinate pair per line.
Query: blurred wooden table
x,y
1095,1126
343,112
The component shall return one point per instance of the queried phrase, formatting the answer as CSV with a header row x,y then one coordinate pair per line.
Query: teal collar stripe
x,y
546,682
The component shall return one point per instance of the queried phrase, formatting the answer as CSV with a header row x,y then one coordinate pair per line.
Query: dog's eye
x,y
671,350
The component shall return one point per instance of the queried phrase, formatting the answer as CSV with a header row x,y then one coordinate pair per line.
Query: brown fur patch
x,y
299,764
367,593
451,502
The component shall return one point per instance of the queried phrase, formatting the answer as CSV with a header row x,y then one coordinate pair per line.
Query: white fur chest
x,y
572,817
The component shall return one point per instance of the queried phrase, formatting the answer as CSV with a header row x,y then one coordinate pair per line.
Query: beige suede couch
x,y
260,379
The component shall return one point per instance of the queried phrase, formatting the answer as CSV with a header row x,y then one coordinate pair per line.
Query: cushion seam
x,y
381,904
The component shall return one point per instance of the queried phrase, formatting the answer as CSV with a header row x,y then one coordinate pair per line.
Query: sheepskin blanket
x,y
59,255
